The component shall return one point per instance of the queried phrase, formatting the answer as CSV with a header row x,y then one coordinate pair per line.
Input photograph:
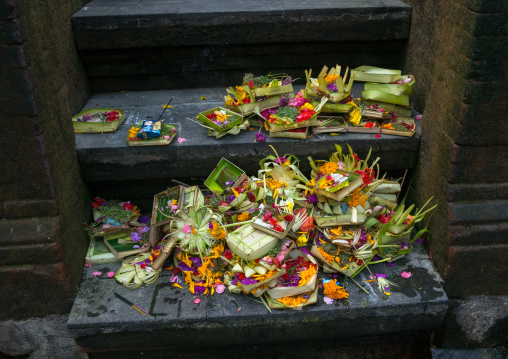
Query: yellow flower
x,y
229,101
307,105
312,184
301,241
241,92
273,184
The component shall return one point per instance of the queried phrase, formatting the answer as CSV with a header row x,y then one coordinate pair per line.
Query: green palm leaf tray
x,y
96,127
376,74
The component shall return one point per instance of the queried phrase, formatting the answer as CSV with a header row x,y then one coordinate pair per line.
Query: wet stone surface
x,y
100,320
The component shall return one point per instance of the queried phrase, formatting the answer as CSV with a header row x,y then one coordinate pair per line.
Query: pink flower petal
x,y
406,274
175,279
165,136
328,300
88,265
111,274
186,229
197,301
240,309
377,136
181,139
220,288
97,273
419,117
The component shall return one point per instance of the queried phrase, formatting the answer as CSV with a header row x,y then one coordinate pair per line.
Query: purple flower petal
x,y
144,219
248,281
381,275
135,236
390,264
142,230
312,198
332,87
260,137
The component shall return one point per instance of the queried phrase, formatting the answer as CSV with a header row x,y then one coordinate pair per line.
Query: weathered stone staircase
x,y
139,54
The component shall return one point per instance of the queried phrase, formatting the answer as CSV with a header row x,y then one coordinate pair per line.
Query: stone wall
x,y
457,50
43,200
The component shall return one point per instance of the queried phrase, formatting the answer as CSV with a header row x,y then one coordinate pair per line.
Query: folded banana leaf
x,y
390,88
376,74
402,100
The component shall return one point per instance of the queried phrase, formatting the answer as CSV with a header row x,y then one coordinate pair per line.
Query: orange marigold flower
x,y
331,78
292,301
242,217
306,275
357,198
334,291
325,255
328,167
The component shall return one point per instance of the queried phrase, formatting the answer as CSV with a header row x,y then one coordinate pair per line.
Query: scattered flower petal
x,y
88,265
419,117
377,136
240,309
203,98
186,229
381,275
111,274
167,106
420,240
148,269
406,274
181,139
97,273
135,246
220,288
260,137
177,285
328,300
197,301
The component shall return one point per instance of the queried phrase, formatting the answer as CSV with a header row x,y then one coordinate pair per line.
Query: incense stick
x,y
126,301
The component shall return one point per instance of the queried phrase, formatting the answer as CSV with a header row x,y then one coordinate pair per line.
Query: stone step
x,y
102,323
115,170
152,45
